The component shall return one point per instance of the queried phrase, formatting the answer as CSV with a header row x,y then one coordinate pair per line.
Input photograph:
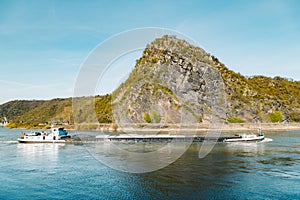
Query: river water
x,y
266,170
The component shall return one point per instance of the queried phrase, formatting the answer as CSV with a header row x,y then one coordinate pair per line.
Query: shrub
x,y
114,126
12,125
199,118
235,120
276,116
147,117
295,117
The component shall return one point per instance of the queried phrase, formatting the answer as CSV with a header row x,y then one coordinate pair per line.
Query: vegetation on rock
x,y
147,117
276,116
235,120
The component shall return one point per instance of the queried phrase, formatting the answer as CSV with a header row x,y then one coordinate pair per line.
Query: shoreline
x,y
146,128
263,126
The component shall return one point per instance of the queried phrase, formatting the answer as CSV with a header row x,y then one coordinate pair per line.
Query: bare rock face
x,y
172,83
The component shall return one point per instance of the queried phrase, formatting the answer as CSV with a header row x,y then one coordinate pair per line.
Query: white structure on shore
x,y
4,122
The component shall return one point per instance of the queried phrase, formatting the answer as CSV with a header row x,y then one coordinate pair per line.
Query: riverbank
x,y
154,128
263,126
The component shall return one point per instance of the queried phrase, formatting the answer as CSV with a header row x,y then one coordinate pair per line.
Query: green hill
x,y
41,114
30,114
169,76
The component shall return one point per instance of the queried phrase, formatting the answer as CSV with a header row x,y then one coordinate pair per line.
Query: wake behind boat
x,y
247,137
57,135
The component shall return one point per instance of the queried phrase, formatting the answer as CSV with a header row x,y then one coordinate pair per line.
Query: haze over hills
x,y
173,75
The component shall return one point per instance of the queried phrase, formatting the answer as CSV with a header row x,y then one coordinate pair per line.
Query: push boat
x,y
57,135
247,137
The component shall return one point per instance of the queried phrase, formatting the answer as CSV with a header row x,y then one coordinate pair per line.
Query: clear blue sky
x,y
43,43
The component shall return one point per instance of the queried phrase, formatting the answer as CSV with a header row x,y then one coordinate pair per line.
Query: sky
x,y
44,43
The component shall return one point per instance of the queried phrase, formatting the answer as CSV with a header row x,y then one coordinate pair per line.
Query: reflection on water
x,y
280,161
245,149
137,157
37,151
230,171
41,157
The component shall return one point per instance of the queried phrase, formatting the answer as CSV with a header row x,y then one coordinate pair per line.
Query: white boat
x,y
57,135
247,137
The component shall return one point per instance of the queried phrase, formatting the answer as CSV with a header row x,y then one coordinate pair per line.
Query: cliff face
x,y
172,76
173,82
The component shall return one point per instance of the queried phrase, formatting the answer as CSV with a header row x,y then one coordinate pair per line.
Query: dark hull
x,y
245,139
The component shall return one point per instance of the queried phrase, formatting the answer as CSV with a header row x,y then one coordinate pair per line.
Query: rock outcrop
x,y
172,76
173,82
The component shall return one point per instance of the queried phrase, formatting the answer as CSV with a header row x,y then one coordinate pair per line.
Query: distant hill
x,y
170,70
29,114
261,98
41,114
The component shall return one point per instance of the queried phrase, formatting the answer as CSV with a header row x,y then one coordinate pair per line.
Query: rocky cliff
x,y
172,76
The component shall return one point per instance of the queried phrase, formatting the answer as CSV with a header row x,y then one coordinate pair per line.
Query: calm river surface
x,y
267,170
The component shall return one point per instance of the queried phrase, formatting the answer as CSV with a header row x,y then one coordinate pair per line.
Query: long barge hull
x,y
40,141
